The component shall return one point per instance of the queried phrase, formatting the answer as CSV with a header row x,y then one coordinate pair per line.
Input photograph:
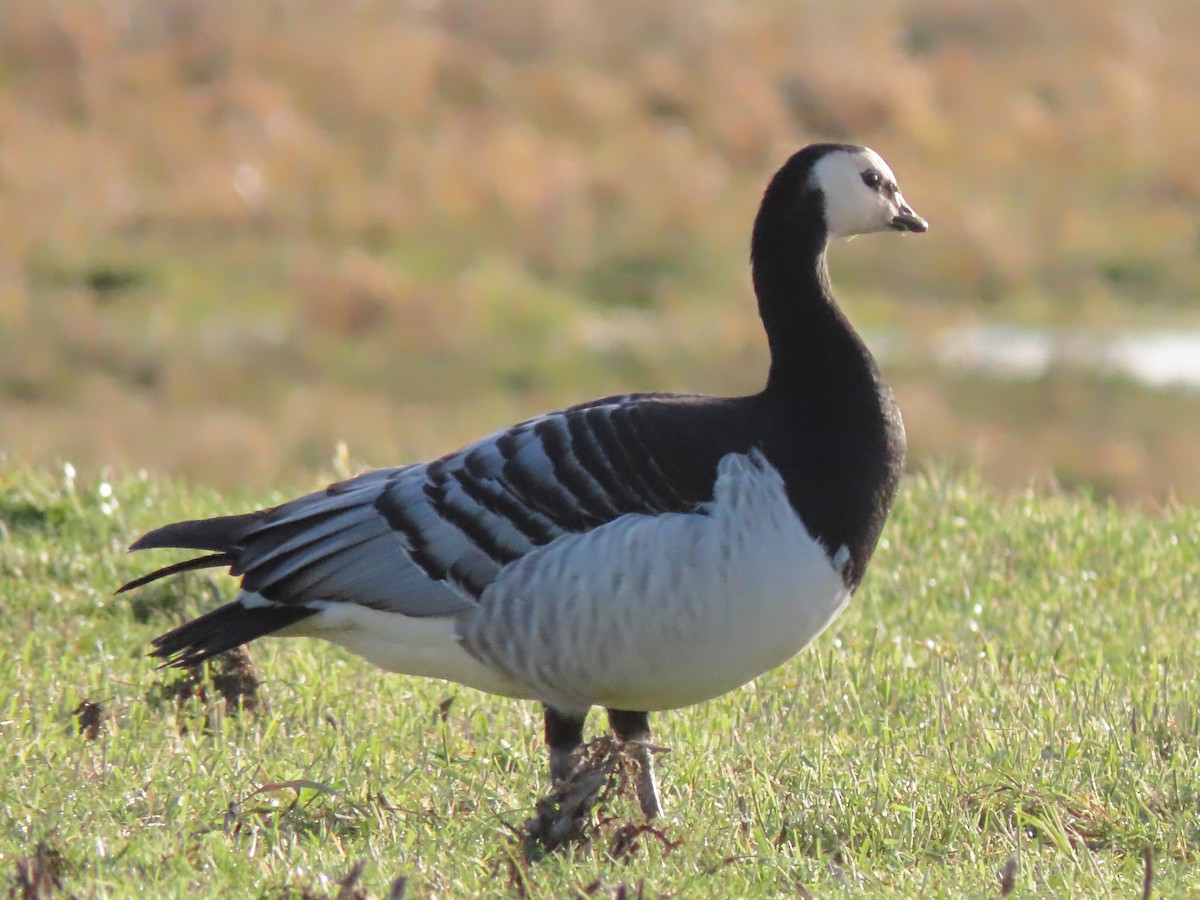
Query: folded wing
x,y
427,540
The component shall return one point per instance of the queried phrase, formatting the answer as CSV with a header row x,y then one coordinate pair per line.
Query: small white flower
x,y
249,183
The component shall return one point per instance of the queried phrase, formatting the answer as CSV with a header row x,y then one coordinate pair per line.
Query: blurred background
x,y
235,235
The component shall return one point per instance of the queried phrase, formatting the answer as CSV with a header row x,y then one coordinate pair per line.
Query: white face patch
x,y
851,205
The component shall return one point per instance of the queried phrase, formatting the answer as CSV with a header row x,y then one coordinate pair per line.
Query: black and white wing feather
x,y
427,540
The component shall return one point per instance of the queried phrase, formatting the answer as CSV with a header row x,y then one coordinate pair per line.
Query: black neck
x,y
832,428
811,341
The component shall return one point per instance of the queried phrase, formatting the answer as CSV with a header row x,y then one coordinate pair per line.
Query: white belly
x,y
656,612
399,643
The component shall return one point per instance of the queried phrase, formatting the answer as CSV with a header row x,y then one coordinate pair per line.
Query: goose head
x,y
859,193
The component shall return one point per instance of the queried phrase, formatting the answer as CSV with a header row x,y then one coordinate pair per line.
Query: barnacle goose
x,y
639,553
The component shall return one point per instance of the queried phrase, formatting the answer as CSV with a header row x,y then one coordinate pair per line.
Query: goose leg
x,y
564,736
634,728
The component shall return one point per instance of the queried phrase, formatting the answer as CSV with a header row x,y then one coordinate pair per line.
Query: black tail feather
x,y
228,626
223,629
220,534
200,562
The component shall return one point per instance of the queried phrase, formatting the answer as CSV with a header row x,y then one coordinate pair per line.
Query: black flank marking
x,y
419,548
495,498
589,452
434,491
556,441
691,485
604,426
469,522
475,464
548,499
460,574
636,441
670,477
508,443
474,527
544,497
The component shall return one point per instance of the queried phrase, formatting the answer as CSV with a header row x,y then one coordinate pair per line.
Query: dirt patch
x,y
564,817
235,678
232,677
620,892
1080,821
40,875
348,888
1008,876
89,716
604,776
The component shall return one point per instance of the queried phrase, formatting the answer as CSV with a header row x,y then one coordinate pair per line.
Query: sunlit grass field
x,y
1013,689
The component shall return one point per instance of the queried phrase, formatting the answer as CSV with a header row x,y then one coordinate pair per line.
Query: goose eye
x,y
872,179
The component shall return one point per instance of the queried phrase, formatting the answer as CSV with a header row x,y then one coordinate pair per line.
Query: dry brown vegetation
x,y
233,234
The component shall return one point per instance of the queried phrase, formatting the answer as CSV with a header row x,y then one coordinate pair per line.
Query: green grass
x,y
1016,680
